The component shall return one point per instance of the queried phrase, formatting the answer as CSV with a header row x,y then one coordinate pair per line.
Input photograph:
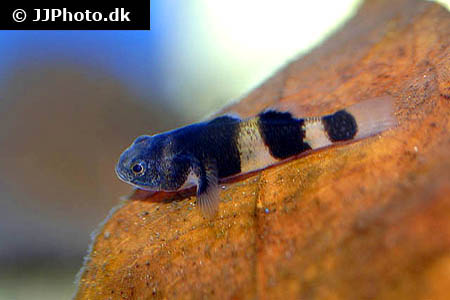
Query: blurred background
x,y
72,101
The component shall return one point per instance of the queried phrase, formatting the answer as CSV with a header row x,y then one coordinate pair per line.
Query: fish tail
x,y
355,122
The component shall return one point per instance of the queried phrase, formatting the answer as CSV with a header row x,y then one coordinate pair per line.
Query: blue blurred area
x,y
136,58
105,50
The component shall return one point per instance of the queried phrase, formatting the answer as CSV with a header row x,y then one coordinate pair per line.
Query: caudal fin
x,y
373,116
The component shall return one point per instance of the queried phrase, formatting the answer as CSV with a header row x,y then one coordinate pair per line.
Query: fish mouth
x,y
143,187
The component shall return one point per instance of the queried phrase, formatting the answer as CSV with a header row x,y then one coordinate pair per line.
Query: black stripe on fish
x,y
340,126
214,140
282,134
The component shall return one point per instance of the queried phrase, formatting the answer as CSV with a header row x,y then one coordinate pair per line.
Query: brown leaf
x,y
365,220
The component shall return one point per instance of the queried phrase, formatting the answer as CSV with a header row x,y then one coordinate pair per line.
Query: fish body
x,y
202,154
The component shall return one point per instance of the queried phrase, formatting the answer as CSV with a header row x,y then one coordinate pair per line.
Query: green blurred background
x,y
71,101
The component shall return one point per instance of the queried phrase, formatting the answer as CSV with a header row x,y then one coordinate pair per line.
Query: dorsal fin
x,y
225,119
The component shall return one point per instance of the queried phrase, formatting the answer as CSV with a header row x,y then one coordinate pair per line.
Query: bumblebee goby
x,y
204,153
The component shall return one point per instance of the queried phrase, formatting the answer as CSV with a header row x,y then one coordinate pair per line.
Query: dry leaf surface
x,y
366,220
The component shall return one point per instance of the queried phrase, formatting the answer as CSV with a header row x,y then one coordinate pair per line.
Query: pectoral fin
x,y
208,191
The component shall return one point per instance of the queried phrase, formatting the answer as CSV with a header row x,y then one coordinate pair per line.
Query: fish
x,y
205,153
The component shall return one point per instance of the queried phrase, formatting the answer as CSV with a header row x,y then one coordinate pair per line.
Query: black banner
x,y
74,15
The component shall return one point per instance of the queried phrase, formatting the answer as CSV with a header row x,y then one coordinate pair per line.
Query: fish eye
x,y
137,168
